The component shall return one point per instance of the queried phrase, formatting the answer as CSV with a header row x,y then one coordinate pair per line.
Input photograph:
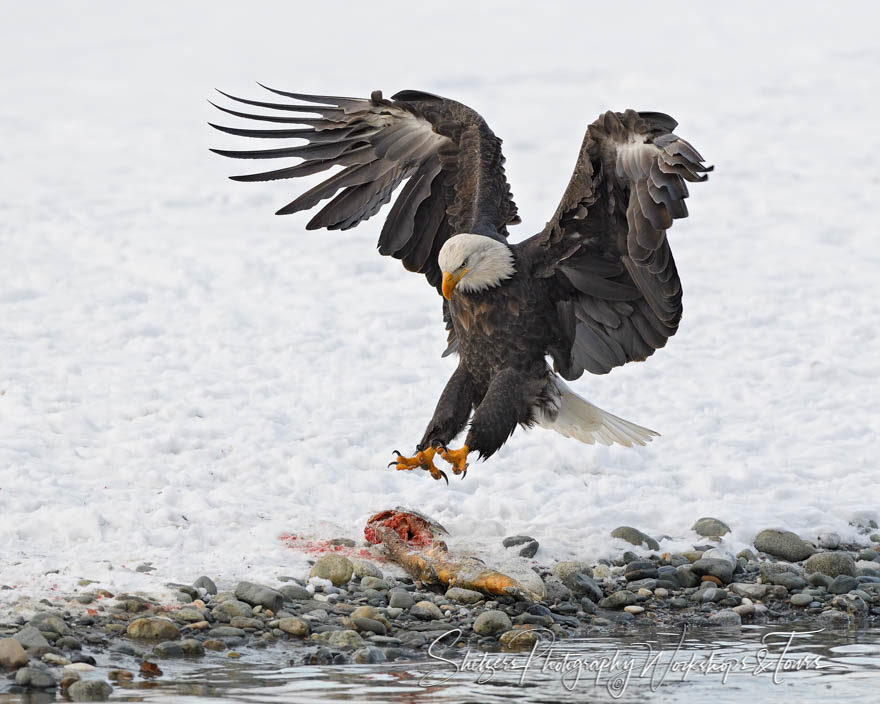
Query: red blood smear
x,y
411,528
322,546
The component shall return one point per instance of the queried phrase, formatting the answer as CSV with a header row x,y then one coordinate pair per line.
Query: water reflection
x,y
764,662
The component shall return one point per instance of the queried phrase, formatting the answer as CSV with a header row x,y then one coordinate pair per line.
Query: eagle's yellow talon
x,y
423,460
457,458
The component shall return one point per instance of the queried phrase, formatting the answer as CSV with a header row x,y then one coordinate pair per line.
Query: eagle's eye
x,y
463,264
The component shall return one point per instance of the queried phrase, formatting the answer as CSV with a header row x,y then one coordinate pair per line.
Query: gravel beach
x,y
354,610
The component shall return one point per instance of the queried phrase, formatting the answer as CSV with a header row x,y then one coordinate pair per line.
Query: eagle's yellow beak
x,y
450,281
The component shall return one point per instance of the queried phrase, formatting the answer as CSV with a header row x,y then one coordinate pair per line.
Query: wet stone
x,y
336,568
31,638
784,544
464,596
829,541
340,639
831,564
555,591
720,569
259,595
168,649
377,583
89,691
635,537
46,622
369,624
640,569
426,610
789,580
801,599
363,568
368,655
153,629
842,584
34,677
725,618
492,622
294,592
618,600
527,546
710,527
226,632
207,584
686,576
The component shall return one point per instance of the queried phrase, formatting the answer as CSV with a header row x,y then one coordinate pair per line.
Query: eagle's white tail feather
x,y
579,419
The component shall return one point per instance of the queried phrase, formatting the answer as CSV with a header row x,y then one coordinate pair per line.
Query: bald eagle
x,y
596,288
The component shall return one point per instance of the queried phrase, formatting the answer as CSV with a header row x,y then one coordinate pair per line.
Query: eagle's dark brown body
x,y
503,337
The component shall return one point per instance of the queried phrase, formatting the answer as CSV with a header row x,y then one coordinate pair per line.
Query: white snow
x,y
186,377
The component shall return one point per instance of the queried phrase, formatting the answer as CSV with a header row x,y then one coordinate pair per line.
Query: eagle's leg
x,y
507,402
423,459
450,417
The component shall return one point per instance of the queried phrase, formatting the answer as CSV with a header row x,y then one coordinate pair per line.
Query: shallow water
x,y
765,662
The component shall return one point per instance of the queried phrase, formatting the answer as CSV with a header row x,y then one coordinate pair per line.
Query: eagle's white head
x,y
474,263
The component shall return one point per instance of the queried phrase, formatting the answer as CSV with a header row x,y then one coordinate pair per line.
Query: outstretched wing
x,y
452,159
614,281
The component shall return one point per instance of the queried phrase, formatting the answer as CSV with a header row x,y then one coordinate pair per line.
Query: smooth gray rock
x,y
34,677
721,569
464,596
635,537
371,625
829,541
842,584
618,600
566,570
259,595
363,568
192,647
801,599
710,527
426,610
341,639
789,580
400,599
50,623
831,564
492,622
527,546
725,618
585,586
168,649
294,626
368,656
686,576
369,582
752,591
89,691
227,632
336,568
230,608
784,544
30,638
294,592
555,591
207,584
